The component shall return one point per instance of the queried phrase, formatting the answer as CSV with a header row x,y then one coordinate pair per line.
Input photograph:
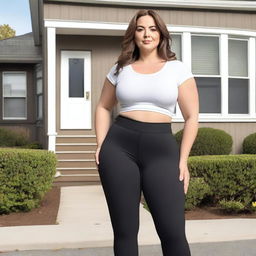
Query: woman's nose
x,y
146,34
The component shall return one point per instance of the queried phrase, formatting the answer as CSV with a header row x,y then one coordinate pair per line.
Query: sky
x,y
16,13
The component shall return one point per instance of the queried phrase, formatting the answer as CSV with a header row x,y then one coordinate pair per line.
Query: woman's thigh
x,y
162,189
120,178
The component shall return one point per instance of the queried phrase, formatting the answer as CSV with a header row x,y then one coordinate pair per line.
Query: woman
x,y
139,152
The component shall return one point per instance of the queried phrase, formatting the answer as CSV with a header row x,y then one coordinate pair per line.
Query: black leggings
x,y
140,156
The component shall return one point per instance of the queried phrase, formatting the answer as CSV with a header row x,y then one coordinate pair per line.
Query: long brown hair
x,y
130,51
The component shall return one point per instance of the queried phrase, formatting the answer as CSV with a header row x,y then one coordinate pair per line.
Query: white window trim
x,y
26,101
224,73
252,75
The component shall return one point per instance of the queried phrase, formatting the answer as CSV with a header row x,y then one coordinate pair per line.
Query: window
x,y
14,95
39,92
223,63
76,77
175,45
238,80
206,68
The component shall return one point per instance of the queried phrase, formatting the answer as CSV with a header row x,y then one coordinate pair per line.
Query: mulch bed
x,y
203,213
211,212
46,213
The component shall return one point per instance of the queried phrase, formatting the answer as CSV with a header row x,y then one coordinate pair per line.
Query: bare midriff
x,y
147,116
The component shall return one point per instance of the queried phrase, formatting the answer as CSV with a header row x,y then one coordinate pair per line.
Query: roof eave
x,y
36,19
20,60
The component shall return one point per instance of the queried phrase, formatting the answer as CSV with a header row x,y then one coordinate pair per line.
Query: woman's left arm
x,y
188,100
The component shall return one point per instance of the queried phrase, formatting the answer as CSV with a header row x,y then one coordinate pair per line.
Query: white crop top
x,y
156,92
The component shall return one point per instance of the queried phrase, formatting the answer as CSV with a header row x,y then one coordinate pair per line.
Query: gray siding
x,y
205,18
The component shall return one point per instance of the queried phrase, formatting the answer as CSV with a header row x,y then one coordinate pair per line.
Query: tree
x,y
6,31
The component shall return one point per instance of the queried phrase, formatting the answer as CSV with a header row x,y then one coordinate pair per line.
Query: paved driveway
x,y
235,248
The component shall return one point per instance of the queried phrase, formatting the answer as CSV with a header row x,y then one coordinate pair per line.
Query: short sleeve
x,y
111,77
184,73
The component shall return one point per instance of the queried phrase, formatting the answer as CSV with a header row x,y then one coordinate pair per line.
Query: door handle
x,y
87,95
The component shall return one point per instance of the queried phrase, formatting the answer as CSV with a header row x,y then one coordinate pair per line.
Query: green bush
x,y
249,144
227,181
231,206
10,138
252,207
25,177
230,177
209,141
197,190
33,145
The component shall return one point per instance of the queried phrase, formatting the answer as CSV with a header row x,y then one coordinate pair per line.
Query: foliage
x,y
6,32
198,189
25,176
231,206
249,144
209,141
9,138
230,177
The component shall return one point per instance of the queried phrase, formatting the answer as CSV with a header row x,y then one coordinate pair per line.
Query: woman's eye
x,y
140,29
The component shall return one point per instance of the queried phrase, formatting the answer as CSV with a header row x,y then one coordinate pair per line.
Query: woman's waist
x,y
142,126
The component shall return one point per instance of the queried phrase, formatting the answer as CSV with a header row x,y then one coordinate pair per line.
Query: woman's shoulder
x,y
175,62
178,64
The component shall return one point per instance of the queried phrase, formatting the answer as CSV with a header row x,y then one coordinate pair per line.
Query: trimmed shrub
x,y
209,141
197,190
226,181
25,177
33,145
230,177
249,144
231,206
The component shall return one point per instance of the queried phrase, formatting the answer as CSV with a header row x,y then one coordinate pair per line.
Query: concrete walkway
x,y
84,223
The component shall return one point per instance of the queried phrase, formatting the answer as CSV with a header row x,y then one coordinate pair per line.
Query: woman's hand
x,y
97,155
184,174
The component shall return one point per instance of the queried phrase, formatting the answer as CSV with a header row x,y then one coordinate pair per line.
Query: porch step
x,y
76,163
75,146
62,155
76,160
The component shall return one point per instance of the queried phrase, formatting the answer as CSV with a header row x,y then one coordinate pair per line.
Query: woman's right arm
x,y
103,113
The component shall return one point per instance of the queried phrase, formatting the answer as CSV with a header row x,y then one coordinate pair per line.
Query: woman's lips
x,y
146,42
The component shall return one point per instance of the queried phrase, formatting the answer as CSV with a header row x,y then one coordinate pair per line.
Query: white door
x,y
75,90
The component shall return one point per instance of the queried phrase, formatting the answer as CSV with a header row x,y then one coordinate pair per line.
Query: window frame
x,y
39,76
26,97
247,78
224,36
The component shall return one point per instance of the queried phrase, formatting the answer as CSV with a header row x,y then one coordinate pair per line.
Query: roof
x,y
20,49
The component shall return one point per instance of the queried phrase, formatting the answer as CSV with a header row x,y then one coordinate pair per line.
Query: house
x,y
77,41
21,86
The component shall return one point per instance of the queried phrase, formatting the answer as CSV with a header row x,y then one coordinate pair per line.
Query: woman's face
x,y
147,35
